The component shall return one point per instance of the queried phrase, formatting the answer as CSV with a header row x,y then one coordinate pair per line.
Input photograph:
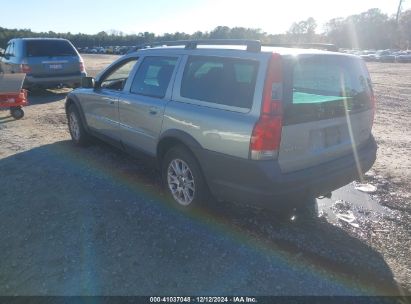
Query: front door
x,y
141,110
101,106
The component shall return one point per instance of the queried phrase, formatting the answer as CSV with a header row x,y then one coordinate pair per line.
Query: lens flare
x,y
350,131
353,34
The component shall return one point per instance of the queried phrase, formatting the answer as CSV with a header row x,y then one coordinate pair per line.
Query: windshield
x,y
49,48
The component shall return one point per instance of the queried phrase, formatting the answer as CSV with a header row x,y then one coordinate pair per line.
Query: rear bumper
x,y
263,184
53,81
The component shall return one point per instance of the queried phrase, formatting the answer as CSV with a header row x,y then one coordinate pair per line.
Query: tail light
x,y
25,68
82,69
266,136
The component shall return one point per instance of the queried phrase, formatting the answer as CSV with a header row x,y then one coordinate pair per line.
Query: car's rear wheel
x,y
183,179
78,134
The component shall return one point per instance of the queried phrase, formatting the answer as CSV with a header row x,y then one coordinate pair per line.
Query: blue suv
x,y
46,62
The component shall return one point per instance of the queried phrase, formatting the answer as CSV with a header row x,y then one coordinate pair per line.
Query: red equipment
x,y
12,96
14,101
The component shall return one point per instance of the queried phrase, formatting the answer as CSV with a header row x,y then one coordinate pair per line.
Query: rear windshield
x,y
218,80
49,48
327,86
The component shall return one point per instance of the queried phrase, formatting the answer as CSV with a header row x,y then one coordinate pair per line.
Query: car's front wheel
x,y
183,179
78,133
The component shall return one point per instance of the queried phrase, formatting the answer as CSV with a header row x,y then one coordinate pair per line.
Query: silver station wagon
x,y
261,125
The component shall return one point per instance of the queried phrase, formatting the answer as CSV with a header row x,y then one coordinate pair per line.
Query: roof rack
x,y
252,45
321,46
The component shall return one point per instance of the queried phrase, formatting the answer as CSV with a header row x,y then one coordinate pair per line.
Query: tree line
x,y
369,30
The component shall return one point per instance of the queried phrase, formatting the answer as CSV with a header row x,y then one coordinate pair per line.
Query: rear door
x,y
328,109
50,58
215,100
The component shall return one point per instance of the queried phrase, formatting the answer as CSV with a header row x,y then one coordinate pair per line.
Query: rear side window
x,y
328,86
153,76
218,80
49,48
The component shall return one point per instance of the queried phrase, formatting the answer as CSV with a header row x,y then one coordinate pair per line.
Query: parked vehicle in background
x,y
121,50
368,55
263,125
46,62
404,56
101,50
116,50
108,50
384,56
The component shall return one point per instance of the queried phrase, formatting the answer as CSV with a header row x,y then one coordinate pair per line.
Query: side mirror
x,y
87,82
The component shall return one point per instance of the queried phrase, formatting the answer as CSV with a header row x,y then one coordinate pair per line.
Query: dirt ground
x,y
93,221
392,126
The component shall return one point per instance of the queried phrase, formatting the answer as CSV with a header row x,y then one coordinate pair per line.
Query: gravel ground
x,y
93,221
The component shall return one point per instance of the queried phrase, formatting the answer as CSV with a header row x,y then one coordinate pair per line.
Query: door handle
x,y
153,110
110,100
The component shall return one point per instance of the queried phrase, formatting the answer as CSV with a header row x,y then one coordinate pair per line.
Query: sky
x,y
162,16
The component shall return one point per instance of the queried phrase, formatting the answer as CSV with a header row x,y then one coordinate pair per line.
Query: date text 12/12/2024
x,y
203,299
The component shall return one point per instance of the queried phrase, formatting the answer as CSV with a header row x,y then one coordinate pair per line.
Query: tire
x,y
17,113
182,178
77,131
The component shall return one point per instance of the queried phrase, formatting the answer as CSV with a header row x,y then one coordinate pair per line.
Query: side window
x,y
117,78
220,80
153,76
7,51
10,49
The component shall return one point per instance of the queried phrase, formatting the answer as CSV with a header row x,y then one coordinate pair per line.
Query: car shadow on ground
x,y
5,119
42,96
94,221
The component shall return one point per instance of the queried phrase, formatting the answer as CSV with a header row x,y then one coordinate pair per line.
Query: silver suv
x,y
248,123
